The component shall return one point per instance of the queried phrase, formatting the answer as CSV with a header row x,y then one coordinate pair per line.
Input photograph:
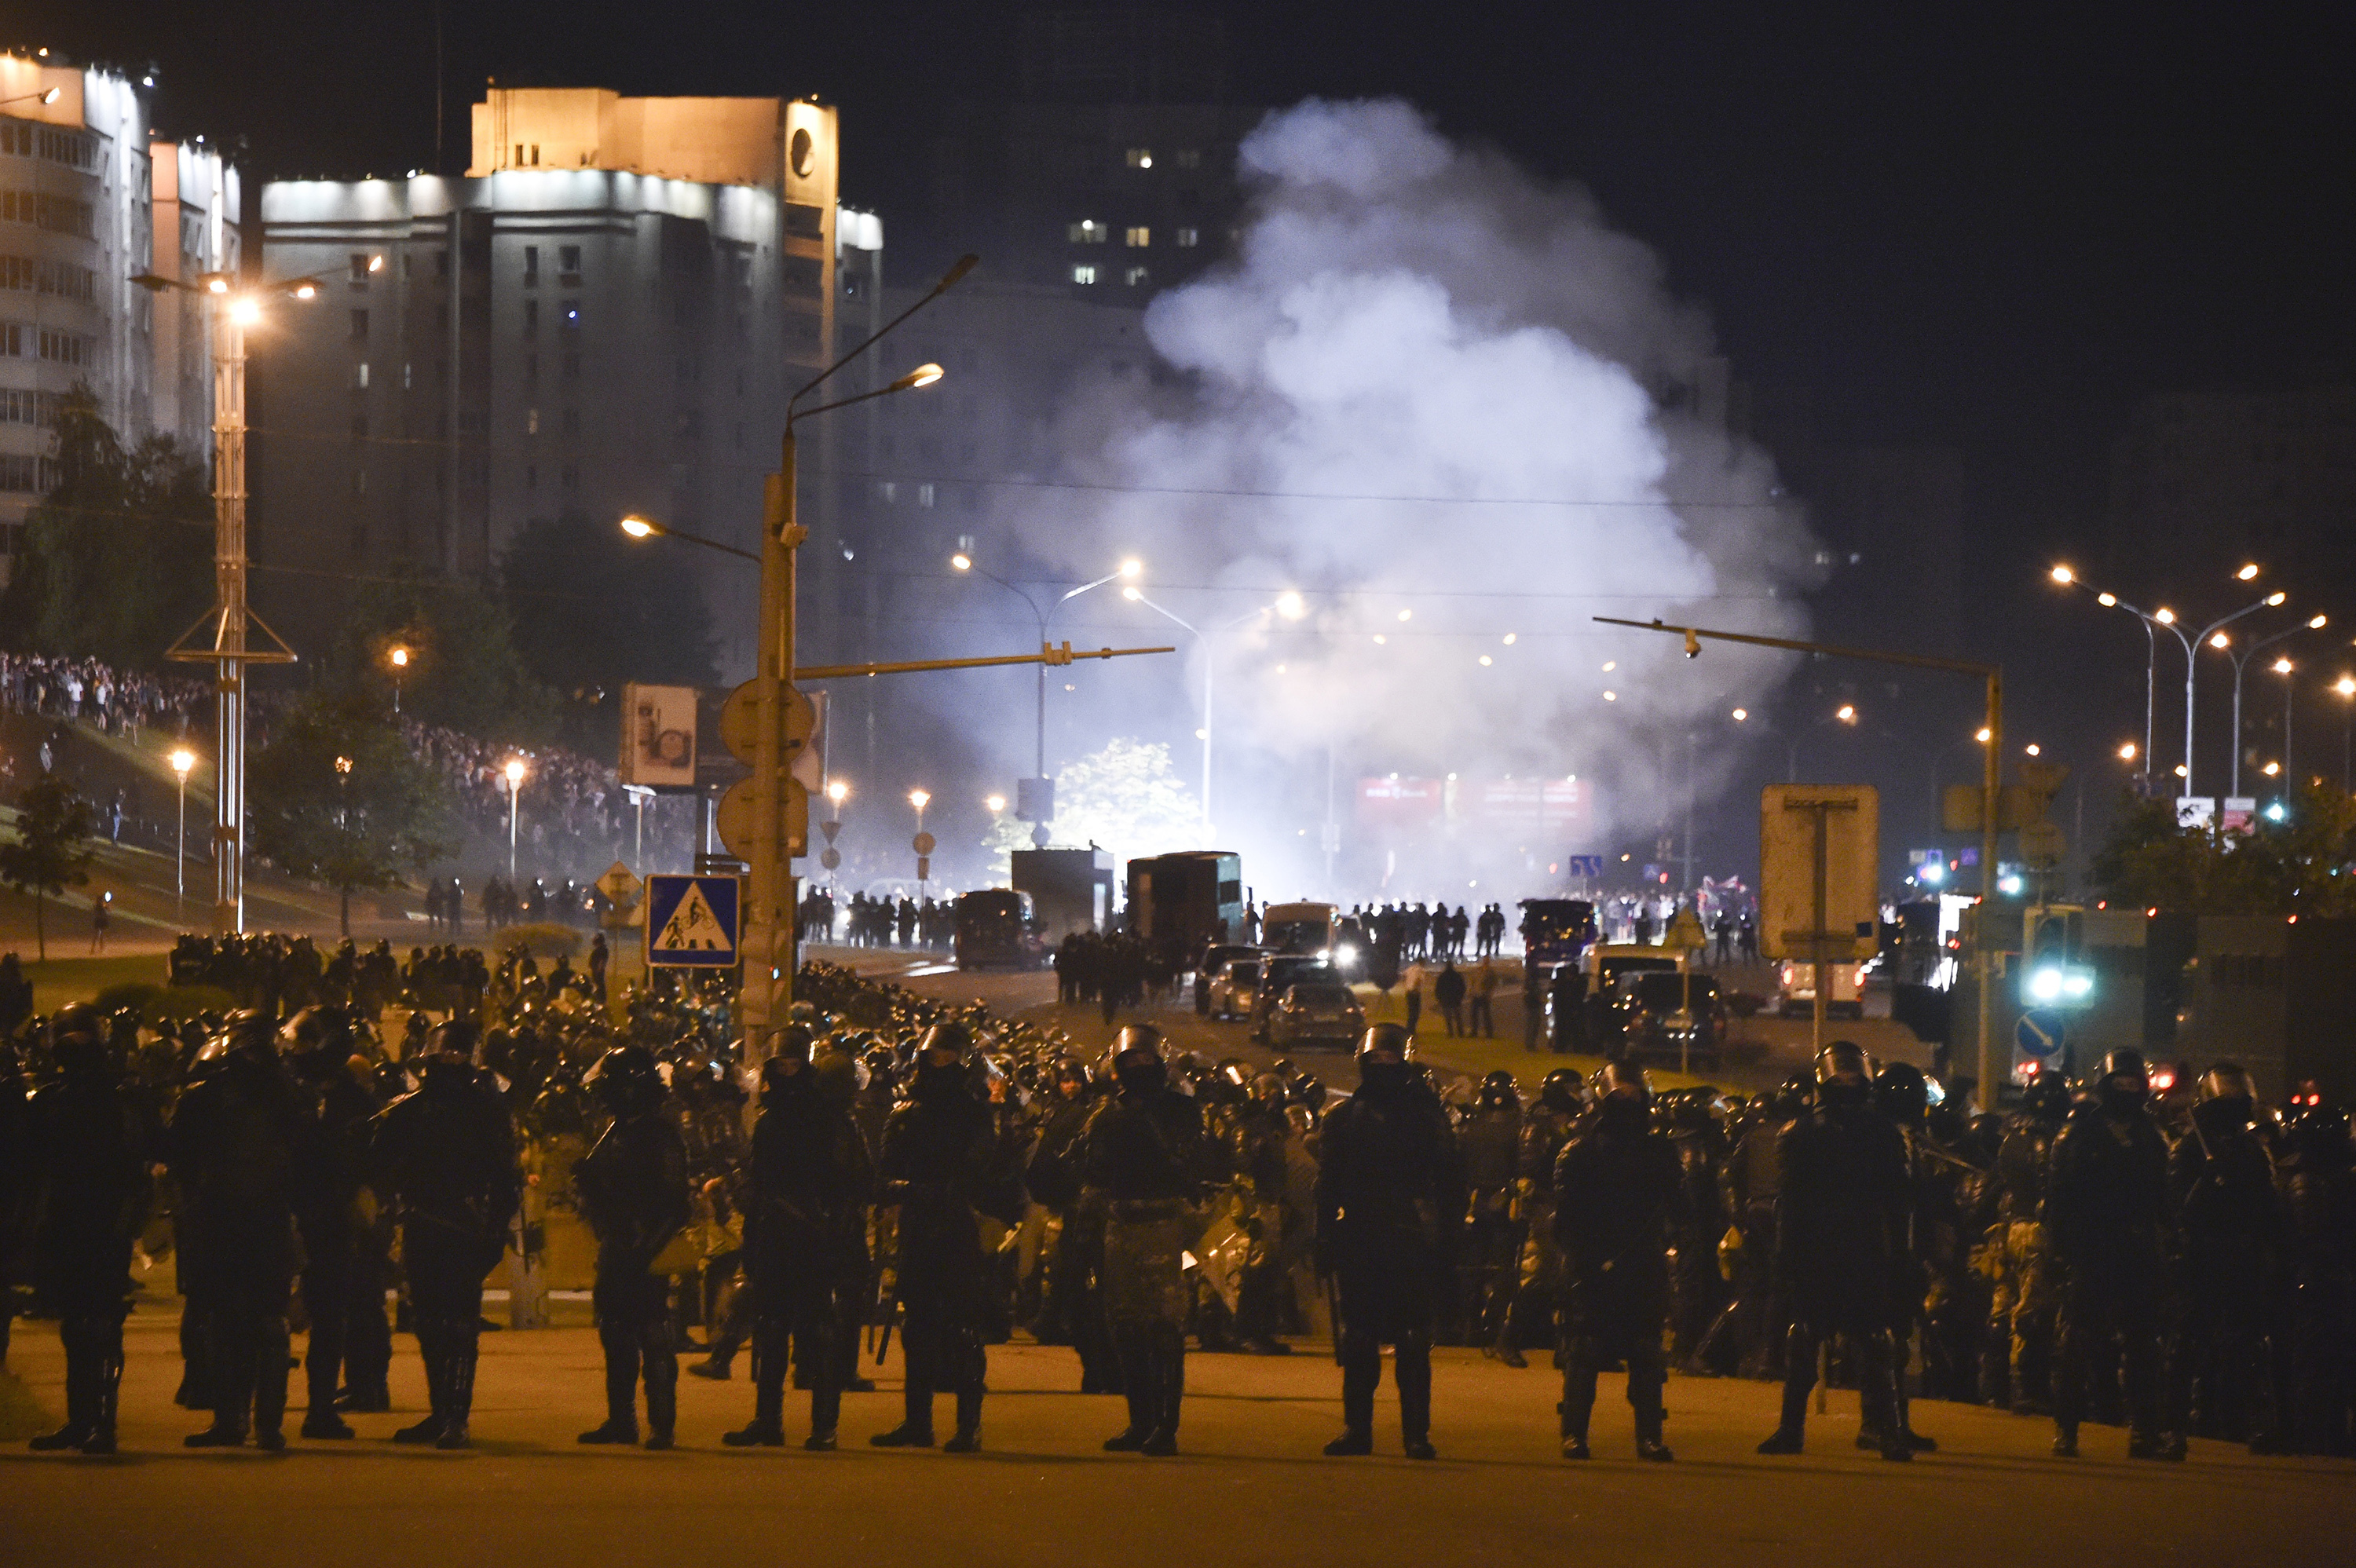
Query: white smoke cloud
x,y
1454,408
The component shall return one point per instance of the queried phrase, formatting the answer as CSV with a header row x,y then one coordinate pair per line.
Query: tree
x,y
1124,799
593,611
116,562
462,672
51,851
337,798
2297,866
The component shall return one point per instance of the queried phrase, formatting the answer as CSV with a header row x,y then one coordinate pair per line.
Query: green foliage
x,y
362,825
2298,867
117,561
51,851
1124,799
462,671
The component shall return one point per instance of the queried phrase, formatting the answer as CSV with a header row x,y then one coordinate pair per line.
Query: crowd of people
x,y
866,919
2184,1263
119,702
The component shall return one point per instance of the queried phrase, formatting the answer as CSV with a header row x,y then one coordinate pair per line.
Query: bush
x,y
546,940
156,1004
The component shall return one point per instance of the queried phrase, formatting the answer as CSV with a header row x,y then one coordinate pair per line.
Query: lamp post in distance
x,y
2240,665
639,528
399,659
1288,604
1041,793
183,760
514,771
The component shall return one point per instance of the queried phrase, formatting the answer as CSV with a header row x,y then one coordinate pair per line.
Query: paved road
x,y
1250,1487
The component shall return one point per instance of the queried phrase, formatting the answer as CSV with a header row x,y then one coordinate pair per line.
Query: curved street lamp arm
x,y
963,266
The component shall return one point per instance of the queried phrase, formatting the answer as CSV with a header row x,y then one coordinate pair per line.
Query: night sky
x,y
1987,227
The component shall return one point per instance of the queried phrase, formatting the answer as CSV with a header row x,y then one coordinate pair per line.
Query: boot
x,y
825,1414
1137,1383
1411,1366
621,1389
1360,1371
1799,1382
270,1369
768,1427
1578,1407
458,1392
969,1422
77,1428
437,1400
916,1428
662,1395
1170,1393
105,1391
1645,1398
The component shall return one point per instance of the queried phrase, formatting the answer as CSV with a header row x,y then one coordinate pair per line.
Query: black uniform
x,y
941,1168
234,1142
632,1186
331,1168
1069,1312
1617,1187
1838,1218
805,1248
2105,1210
446,1153
2221,1187
1390,1206
1142,1167
89,1144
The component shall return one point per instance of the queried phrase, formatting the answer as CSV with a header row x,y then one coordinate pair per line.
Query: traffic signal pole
x,y
1992,1076
768,988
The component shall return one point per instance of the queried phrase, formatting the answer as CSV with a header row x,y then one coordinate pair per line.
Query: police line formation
x,y
2183,1265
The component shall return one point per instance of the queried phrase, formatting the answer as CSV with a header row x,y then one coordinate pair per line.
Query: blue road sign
x,y
1587,865
692,922
2039,1033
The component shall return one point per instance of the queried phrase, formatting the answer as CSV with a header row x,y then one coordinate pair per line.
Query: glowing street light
x,y
183,760
398,658
2127,752
2281,667
639,528
514,771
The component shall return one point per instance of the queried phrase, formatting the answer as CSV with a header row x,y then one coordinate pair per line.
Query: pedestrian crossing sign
x,y
692,922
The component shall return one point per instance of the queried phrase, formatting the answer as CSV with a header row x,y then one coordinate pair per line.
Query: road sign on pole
x,y
692,921
1820,898
2040,1033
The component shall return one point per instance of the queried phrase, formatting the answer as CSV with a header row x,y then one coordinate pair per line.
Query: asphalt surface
x,y
1250,1486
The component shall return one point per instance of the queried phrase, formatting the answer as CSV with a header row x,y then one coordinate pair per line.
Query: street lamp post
x,y
1288,604
398,658
182,761
963,562
920,799
234,310
768,973
2241,663
2346,687
514,771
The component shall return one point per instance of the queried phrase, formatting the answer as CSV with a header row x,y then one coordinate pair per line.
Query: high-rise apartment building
x,y
604,316
83,191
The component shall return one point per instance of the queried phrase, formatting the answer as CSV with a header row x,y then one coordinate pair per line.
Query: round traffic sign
x,y
2039,1033
922,844
831,858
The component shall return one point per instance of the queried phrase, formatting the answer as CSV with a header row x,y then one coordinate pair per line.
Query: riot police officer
x,y
1837,1227
1617,1186
2105,1208
235,1138
331,1162
1259,1140
805,1242
633,1190
1068,1311
941,1170
1143,1167
1543,1130
2018,1361
446,1153
1490,1137
1390,1206
2221,1187
91,1148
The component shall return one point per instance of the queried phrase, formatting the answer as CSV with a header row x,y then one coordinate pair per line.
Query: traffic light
x,y
2055,973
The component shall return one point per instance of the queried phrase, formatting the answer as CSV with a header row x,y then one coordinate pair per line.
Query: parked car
x,y
1278,973
1796,988
1236,985
1206,969
1316,1011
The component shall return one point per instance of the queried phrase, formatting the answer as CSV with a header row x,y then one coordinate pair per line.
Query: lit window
x,y
886,492
923,494
1139,238
1134,277
1140,157
1188,239
1087,231
1084,274
360,377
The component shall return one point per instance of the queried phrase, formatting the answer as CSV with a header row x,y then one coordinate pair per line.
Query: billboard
x,y
1549,808
659,735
